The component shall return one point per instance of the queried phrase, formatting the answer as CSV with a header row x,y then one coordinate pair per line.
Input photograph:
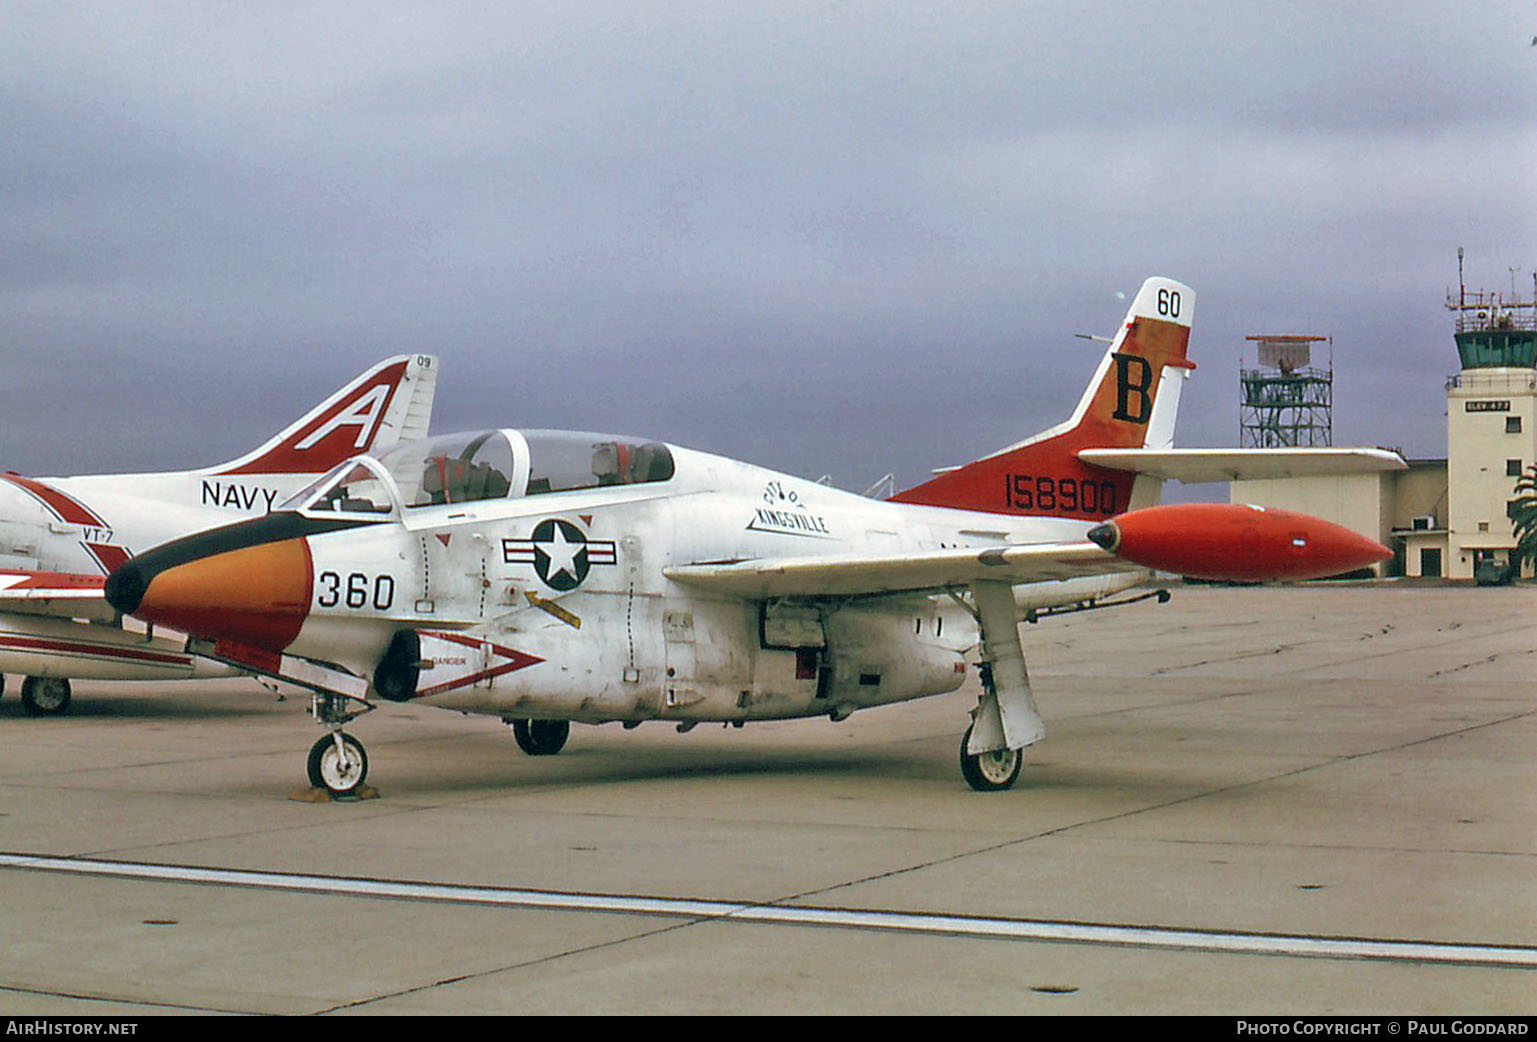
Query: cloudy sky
x,y
837,238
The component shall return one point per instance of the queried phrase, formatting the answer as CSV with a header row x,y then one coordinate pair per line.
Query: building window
x,y
1512,468
1512,425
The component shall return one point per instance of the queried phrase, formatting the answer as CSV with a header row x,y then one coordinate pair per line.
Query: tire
x,y
327,772
990,772
541,737
45,696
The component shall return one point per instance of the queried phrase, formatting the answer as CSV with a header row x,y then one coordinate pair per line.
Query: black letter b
x,y
1126,386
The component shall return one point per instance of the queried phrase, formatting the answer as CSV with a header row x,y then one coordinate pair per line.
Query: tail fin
x,y
388,404
1130,403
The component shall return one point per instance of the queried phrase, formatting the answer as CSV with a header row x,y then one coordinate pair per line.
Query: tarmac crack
x,y
1485,661
1459,639
1060,830
512,967
123,1000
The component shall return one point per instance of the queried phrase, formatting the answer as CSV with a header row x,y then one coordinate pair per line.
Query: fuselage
x,y
555,602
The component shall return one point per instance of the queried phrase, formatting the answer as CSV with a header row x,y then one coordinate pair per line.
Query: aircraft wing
x,y
853,575
59,594
1193,466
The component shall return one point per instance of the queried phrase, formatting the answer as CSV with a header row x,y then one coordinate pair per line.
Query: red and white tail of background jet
x,y
95,522
91,524
388,404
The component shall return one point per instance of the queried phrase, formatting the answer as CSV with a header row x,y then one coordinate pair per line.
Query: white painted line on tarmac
x,y
1513,956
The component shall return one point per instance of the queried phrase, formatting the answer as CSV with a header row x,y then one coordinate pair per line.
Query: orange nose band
x,y
256,595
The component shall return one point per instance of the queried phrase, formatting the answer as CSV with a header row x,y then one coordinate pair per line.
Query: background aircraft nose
x,y
254,595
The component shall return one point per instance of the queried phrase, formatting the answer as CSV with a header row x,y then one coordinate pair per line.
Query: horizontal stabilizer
x,y
59,594
1194,466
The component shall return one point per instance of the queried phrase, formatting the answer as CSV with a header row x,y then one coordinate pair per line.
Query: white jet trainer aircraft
x,y
547,577
89,525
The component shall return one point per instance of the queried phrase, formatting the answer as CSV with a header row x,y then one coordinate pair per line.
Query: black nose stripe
x,y
126,586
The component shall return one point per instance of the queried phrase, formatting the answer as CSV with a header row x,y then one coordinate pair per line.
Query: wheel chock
x,y
310,794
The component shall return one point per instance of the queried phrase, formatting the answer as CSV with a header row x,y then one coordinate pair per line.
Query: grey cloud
x,y
782,231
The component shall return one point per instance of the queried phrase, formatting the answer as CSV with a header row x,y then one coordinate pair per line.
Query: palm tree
x,y
1523,511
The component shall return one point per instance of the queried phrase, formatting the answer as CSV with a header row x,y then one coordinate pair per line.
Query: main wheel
x,y
339,771
992,771
45,696
541,737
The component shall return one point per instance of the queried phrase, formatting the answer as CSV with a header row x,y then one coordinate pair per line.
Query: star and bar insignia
x,y
560,552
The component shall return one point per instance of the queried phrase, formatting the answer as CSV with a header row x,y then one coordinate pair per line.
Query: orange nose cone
x,y
1236,543
256,595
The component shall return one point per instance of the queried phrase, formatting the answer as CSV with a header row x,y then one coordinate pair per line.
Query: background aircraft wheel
x,y
990,772
328,771
541,737
45,696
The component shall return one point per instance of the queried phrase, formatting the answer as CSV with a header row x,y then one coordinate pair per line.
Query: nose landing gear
x,y
337,762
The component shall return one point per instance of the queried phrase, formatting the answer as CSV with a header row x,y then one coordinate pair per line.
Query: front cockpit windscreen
x,y
354,487
454,468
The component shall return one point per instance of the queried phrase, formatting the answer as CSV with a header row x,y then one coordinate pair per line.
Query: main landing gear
x,y
991,771
337,762
45,696
1005,720
540,737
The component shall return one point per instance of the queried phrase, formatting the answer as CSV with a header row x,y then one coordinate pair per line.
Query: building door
x,y
1430,562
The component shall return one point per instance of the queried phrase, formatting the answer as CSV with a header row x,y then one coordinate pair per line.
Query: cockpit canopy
x,y
559,461
453,468
485,465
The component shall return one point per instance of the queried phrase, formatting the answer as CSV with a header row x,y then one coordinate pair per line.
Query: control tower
x,y
1287,402
1491,423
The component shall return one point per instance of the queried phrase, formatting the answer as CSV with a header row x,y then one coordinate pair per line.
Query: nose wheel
x,y
338,764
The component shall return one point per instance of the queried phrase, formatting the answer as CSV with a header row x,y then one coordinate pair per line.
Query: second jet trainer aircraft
x,y
92,524
549,577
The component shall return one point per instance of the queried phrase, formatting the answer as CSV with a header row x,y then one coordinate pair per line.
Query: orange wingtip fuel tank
x,y
1236,543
